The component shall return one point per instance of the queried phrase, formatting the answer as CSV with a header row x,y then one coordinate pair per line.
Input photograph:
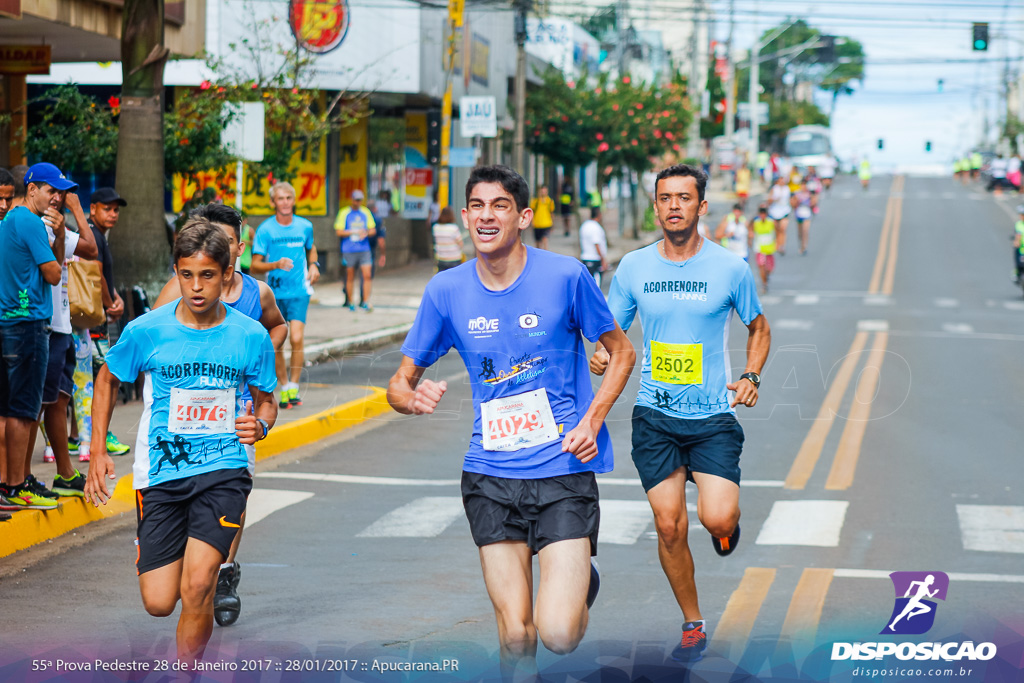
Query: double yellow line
x,y
844,463
808,601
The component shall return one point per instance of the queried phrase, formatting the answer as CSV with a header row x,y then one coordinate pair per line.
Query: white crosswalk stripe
x,y
623,522
804,522
264,502
791,324
423,517
957,328
992,528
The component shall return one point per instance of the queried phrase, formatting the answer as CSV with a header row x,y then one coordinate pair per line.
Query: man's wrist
x,y
266,428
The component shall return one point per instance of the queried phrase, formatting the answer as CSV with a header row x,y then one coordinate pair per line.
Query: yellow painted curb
x,y
29,527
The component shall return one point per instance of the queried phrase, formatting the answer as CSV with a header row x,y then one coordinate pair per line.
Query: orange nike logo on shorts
x,y
224,522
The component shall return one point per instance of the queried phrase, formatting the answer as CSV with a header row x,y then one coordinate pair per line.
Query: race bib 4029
x,y
516,422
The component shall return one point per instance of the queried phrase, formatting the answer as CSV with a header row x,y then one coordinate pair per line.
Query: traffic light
x,y
826,49
881,143
927,145
979,36
434,137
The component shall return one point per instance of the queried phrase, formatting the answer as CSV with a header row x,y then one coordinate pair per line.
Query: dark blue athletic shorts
x,y
662,444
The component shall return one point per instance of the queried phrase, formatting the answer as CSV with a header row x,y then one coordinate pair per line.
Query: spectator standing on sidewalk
x,y
543,217
594,245
284,250
565,201
447,241
104,212
32,267
354,225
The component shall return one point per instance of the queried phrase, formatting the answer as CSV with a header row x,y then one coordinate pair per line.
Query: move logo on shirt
x,y
482,326
681,290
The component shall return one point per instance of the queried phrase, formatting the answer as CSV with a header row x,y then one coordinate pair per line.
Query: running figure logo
x,y
174,453
914,612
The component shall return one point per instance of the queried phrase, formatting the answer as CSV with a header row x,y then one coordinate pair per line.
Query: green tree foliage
x,y
74,131
617,124
192,135
386,140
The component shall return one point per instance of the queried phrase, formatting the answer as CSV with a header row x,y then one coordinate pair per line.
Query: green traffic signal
x,y
979,33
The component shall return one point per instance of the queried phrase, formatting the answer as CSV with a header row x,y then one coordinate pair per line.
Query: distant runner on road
x,y
685,289
517,316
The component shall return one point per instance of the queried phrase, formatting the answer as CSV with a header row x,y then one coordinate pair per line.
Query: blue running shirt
x,y
24,294
685,308
207,364
275,241
515,341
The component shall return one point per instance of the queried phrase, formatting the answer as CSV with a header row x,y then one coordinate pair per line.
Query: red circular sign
x,y
319,25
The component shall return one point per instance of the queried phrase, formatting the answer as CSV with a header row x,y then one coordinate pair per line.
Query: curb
x,y
357,343
27,528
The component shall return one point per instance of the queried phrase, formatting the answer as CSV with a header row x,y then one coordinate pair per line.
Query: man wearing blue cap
x,y
32,266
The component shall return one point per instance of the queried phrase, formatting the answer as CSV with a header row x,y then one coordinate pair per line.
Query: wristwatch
x,y
266,428
754,378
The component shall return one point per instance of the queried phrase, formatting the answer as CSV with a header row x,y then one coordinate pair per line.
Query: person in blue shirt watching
x,y
191,473
284,251
32,265
517,316
685,289
355,228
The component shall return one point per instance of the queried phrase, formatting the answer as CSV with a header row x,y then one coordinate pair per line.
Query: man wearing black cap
x,y
32,266
104,210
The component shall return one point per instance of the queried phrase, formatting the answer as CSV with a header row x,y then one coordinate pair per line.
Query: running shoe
x,y
724,546
48,455
4,516
595,583
7,505
226,603
694,642
286,398
73,445
38,487
72,486
295,399
115,447
28,500
352,307
366,307
83,456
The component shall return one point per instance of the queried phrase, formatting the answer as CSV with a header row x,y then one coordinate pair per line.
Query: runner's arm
x,y
582,440
759,340
311,263
101,466
260,265
169,293
247,428
86,241
410,394
272,320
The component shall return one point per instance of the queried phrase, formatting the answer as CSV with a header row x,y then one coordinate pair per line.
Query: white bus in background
x,y
808,146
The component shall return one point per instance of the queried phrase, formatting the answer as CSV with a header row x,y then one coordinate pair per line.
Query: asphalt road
x,y
886,439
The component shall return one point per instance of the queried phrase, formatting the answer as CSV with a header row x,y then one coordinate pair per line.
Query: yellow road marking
x,y
883,242
741,611
844,465
805,608
894,244
813,443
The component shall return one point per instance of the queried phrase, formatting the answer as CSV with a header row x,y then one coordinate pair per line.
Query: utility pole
x,y
519,143
730,81
696,95
622,29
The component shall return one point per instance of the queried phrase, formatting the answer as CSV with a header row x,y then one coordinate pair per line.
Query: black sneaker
x,y
72,486
6,504
725,546
4,516
694,642
595,583
226,603
39,488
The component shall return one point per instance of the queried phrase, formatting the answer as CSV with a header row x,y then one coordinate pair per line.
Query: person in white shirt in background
x,y
594,245
732,232
779,209
447,240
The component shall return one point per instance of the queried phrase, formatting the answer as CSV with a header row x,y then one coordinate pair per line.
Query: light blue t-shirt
x,y
517,340
275,241
227,357
24,294
685,309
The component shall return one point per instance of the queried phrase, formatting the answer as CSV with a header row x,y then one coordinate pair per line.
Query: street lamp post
x,y
519,141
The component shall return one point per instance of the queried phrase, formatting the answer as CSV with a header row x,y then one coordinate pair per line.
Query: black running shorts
x,y
536,511
206,506
662,444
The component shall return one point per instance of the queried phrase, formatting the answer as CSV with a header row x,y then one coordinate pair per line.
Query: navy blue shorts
x,y
662,444
294,308
60,371
25,350
537,512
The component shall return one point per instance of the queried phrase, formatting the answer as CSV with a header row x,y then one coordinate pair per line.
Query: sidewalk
x,y
331,330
